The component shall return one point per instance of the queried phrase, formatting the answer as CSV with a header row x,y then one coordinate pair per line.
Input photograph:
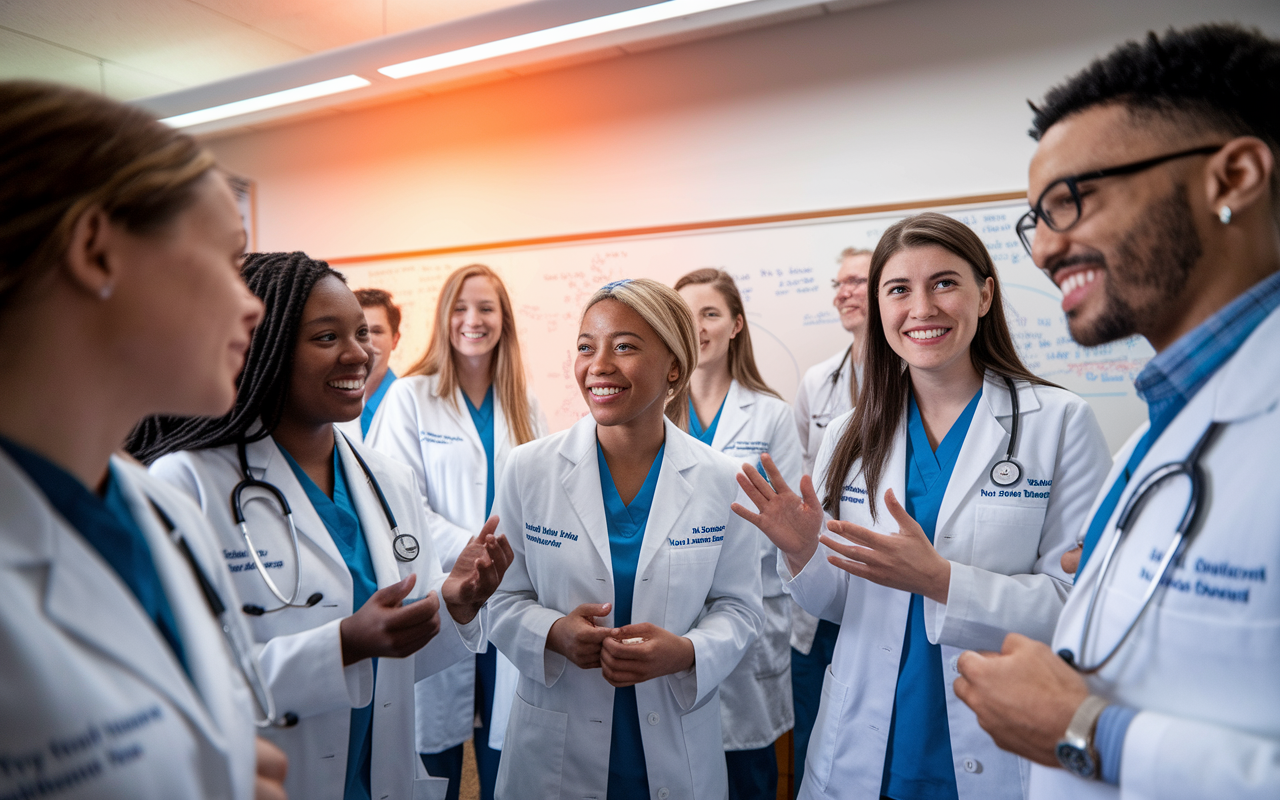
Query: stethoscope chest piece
x,y
406,547
1006,472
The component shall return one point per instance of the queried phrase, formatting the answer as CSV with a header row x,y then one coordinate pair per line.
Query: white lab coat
x,y
688,580
1005,576
823,395
755,700
1200,667
94,700
300,648
440,443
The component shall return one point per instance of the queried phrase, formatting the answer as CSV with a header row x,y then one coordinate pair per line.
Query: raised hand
x,y
383,628
791,521
476,573
626,662
577,637
273,765
904,560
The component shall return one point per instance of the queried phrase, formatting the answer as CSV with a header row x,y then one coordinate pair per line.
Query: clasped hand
x,y
577,637
383,628
476,573
906,560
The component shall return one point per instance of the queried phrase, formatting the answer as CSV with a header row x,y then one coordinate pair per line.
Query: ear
x,y
395,340
1238,176
988,291
86,264
738,324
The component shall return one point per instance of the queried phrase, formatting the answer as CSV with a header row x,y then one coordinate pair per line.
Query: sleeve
x,y
304,671
983,606
1181,759
538,416
519,624
732,618
820,588
784,449
394,433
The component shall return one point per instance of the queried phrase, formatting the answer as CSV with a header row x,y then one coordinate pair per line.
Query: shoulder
x,y
383,466
548,445
195,463
1062,404
411,388
770,407
705,460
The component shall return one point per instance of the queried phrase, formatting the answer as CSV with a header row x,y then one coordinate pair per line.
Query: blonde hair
x,y
669,316
742,358
506,368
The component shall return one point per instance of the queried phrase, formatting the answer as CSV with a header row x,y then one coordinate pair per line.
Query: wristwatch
x,y
1075,749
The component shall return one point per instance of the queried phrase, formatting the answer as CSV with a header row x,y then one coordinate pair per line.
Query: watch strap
x,y
1075,749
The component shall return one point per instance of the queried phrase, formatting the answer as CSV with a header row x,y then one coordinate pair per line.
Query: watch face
x,y
1076,760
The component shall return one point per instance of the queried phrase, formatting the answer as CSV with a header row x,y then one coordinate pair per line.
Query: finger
x,y
853,552
264,789
776,480
971,663
865,537
758,496
1015,642
592,610
507,554
750,516
855,568
415,614
595,636
808,493
273,764
490,527
392,596
905,520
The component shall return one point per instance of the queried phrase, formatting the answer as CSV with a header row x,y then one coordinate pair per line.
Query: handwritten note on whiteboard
x,y
784,273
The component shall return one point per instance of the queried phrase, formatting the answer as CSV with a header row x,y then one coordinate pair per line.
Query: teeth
x,y
932,333
354,384
466,335
1076,280
604,391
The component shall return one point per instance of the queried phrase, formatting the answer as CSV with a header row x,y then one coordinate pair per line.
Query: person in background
x,y
348,603
635,590
728,406
956,485
473,362
383,317
1154,209
120,246
827,390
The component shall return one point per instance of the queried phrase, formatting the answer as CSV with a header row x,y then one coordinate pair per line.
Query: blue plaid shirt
x,y
1167,384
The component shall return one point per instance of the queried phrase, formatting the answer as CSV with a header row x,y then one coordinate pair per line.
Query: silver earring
x,y
1224,215
105,292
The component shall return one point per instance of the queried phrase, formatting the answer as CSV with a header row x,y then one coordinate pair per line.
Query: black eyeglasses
x,y
1059,204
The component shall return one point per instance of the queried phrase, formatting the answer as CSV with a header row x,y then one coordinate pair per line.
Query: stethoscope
x,y
404,545
267,715
823,418
1007,471
1182,537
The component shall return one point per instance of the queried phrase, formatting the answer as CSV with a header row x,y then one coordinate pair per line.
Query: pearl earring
x,y
105,292
1224,215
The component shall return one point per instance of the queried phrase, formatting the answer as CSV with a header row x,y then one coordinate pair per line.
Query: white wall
x,y
912,100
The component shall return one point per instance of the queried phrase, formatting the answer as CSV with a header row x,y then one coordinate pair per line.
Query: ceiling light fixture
x,y
295,95
561,33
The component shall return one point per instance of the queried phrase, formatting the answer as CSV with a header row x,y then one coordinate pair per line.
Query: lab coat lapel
x,y
267,463
670,497
501,437
461,416
373,523
580,477
736,413
85,597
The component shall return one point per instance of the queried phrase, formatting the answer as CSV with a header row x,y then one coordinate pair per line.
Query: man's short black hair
x,y
1222,78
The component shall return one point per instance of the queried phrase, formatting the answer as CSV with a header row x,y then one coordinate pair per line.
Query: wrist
x,y
941,588
1076,751
462,613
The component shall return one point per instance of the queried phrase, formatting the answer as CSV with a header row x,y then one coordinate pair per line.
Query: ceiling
x,y
129,49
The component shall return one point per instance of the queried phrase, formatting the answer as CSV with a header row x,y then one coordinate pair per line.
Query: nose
x,y
1047,245
922,305
356,352
255,309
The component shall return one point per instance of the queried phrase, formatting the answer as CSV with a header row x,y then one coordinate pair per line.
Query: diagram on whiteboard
x,y
784,272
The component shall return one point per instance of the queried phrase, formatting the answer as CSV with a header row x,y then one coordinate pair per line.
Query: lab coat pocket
x,y
692,570
826,731
702,737
534,758
1006,538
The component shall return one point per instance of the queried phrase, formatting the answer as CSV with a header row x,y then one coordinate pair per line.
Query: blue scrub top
x,y
375,399
343,523
482,417
918,763
696,430
628,777
108,525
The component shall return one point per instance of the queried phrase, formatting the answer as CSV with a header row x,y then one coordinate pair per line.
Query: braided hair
x,y
283,281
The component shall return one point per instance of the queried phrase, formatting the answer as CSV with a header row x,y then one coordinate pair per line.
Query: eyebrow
x,y
614,335
932,277
331,319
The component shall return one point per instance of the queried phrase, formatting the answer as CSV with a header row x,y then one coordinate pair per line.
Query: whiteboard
x,y
784,272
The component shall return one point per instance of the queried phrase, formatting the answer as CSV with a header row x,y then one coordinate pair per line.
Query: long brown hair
x,y
742,358
506,368
886,381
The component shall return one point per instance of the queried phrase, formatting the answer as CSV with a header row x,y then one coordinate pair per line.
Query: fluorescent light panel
x,y
296,95
563,33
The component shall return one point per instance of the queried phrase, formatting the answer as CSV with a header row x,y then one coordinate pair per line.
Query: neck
x,y
75,404
374,380
311,445
708,386
942,395
475,375
632,443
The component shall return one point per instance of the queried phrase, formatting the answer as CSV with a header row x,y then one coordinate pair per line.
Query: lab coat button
x,y
972,765
653,720
663,793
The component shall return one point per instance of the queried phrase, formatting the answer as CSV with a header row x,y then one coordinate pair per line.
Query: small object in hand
x,y
634,640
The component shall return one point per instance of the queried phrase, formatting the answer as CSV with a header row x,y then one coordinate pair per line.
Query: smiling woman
x,y
356,549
